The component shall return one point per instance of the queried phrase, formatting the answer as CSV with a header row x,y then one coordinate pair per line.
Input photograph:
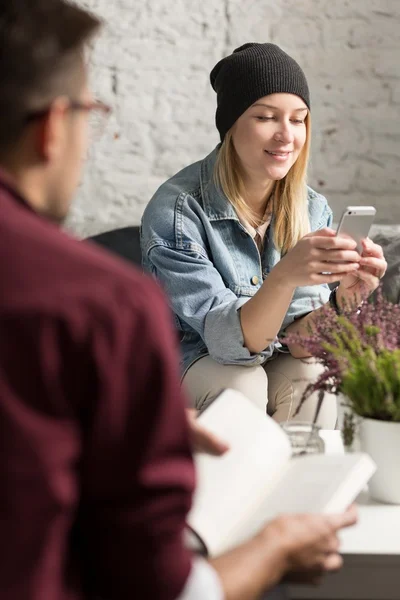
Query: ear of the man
x,y
52,130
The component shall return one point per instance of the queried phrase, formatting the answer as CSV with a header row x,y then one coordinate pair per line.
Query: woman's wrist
x,y
281,279
346,299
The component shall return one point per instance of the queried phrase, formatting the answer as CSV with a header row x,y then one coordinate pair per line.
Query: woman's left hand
x,y
353,289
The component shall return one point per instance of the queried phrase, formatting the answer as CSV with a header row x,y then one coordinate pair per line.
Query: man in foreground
x,y
95,464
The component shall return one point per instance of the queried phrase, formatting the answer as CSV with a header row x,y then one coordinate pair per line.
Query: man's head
x,y
44,101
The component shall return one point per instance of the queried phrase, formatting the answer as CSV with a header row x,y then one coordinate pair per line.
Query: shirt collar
x,y
261,229
8,183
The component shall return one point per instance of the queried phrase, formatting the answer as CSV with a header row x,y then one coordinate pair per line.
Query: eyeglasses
x,y
98,115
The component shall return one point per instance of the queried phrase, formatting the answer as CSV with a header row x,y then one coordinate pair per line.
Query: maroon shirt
x,y
95,466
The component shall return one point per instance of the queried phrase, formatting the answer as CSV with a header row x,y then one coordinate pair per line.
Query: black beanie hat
x,y
250,73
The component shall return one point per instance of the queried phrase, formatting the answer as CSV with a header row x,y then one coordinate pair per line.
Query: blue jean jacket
x,y
194,243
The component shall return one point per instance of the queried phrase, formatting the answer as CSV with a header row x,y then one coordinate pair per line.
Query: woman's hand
x,y
354,288
319,257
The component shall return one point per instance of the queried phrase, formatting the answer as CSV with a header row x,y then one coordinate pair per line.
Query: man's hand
x,y
311,541
202,440
289,548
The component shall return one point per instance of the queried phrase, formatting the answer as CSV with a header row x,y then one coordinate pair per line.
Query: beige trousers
x,y
275,387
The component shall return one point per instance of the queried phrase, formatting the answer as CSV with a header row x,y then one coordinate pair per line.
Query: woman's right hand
x,y
319,257
310,542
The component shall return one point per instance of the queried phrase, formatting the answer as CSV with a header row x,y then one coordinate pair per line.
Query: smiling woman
x,y
267,140
243,247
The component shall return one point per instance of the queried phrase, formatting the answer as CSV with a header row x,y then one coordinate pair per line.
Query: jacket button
x,y
255,280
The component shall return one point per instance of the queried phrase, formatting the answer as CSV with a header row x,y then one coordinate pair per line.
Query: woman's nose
x,y
284,134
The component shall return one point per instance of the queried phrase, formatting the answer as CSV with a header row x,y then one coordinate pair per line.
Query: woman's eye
x,y
272,118
265,118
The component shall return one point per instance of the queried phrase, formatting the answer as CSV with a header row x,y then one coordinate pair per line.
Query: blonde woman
x,y
244,248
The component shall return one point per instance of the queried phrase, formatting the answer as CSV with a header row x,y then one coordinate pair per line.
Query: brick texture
x,y
152,63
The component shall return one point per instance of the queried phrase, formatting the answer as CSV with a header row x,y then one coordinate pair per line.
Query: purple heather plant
x,y
360,353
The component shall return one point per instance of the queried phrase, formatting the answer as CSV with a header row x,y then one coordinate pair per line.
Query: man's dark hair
x,y
41,52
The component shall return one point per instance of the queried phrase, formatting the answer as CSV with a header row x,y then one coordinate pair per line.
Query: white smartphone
x,y
356,223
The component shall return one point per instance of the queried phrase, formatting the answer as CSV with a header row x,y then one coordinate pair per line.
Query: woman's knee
x,y
206,379
252,382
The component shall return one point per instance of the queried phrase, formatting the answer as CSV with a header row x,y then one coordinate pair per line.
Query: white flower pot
x,y
381,440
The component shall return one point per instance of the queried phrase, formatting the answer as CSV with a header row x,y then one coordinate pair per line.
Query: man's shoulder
x,y
103,270
98,279
59,272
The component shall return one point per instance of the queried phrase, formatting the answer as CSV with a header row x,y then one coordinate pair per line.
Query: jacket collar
x,y
216,205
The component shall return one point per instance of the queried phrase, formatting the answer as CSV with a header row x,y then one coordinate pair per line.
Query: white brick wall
x,y
152,64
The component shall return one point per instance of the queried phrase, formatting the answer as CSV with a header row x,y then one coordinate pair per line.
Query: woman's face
x,y
270,135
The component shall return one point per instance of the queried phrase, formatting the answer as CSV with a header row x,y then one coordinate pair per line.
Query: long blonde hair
x,y
290,208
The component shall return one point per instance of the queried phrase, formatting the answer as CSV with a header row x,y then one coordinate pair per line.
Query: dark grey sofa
x,y
124,241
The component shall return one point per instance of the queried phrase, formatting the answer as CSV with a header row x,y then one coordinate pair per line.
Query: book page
x,y
314,484
231,487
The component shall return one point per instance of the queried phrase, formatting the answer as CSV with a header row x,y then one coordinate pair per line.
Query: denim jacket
x,y
194,243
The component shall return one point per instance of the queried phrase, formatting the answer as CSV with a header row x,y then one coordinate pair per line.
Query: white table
x,y
371,552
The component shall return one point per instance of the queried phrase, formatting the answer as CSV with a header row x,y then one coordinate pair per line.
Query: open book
x,y
256,480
